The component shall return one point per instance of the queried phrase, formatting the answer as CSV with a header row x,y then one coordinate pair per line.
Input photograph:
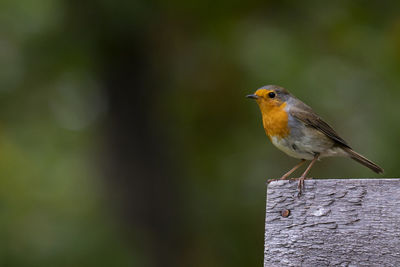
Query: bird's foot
x,y
300,185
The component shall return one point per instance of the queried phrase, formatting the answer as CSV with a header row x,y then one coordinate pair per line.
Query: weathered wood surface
x,y
349,222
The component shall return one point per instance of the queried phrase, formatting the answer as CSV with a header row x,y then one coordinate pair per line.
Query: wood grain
x,y
336,222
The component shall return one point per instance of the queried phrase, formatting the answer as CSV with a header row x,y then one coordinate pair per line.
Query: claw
x,y
300,186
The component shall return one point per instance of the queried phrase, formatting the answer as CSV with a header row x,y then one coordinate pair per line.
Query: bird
x,y
294,128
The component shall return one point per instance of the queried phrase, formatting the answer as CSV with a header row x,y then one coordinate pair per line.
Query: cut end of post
x,y
346,219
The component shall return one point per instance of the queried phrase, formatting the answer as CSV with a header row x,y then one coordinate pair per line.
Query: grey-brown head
x,y
271,92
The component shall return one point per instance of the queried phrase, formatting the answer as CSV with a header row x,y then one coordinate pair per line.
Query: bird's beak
x,y
252,96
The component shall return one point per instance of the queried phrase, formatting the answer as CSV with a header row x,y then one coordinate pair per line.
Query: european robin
x,y
297,130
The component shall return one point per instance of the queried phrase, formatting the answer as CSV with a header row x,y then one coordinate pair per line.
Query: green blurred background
x,y
125,137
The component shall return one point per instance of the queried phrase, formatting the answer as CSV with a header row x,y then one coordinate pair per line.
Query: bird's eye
x,y
271,94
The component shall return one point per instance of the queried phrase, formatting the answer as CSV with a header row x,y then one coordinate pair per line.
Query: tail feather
x,y
363,160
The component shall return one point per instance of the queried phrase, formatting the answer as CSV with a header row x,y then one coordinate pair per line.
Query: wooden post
x,y
341,222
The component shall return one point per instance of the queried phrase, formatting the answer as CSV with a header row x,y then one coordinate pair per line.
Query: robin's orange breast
x,y
275,120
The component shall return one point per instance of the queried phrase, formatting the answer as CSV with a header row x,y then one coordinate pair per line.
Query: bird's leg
x,y
303,176
286,175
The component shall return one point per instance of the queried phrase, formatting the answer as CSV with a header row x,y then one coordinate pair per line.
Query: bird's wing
x,y
313,120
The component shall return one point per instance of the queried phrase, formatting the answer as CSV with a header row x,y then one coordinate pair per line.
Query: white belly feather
x,y
305,147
